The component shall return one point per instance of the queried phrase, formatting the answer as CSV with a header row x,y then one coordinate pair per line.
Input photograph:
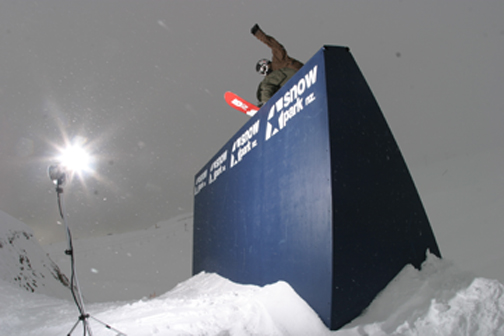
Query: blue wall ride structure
x,y
313,190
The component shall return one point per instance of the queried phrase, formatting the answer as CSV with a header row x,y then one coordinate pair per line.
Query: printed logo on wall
x,y
291,103
244,144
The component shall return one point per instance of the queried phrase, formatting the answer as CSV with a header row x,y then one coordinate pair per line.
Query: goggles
x,y
263,70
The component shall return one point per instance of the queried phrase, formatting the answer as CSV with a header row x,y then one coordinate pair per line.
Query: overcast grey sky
x,y
143,82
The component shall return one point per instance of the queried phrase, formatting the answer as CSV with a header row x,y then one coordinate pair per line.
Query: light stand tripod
x,y
58,175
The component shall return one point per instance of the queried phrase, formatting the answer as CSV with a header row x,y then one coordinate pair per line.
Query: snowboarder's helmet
x,y
263,66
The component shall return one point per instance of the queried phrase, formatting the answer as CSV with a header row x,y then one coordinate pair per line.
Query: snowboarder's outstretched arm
x,y
278,50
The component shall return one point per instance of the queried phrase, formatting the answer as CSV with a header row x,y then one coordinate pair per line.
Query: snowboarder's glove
x,y
260,104
255,29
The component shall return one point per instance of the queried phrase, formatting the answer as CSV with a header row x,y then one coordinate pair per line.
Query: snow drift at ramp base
x,y
438,300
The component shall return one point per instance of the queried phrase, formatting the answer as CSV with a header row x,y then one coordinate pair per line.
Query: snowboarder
x,y
277,71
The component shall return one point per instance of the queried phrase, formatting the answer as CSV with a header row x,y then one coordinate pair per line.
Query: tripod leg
x,y
73,328
87,327
108,326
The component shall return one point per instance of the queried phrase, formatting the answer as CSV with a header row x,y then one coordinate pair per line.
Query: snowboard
x,y
240,104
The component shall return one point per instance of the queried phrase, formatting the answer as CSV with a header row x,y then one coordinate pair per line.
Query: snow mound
x,y
206,304
24,263
438,300
246,309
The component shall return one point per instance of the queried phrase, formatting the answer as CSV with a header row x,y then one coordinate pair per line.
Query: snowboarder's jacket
x,y
273,82
282,65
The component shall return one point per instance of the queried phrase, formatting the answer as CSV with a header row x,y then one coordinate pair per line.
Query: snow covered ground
x,y
438,300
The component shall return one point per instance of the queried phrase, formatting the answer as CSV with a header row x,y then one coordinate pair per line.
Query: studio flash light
x,y
57,174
